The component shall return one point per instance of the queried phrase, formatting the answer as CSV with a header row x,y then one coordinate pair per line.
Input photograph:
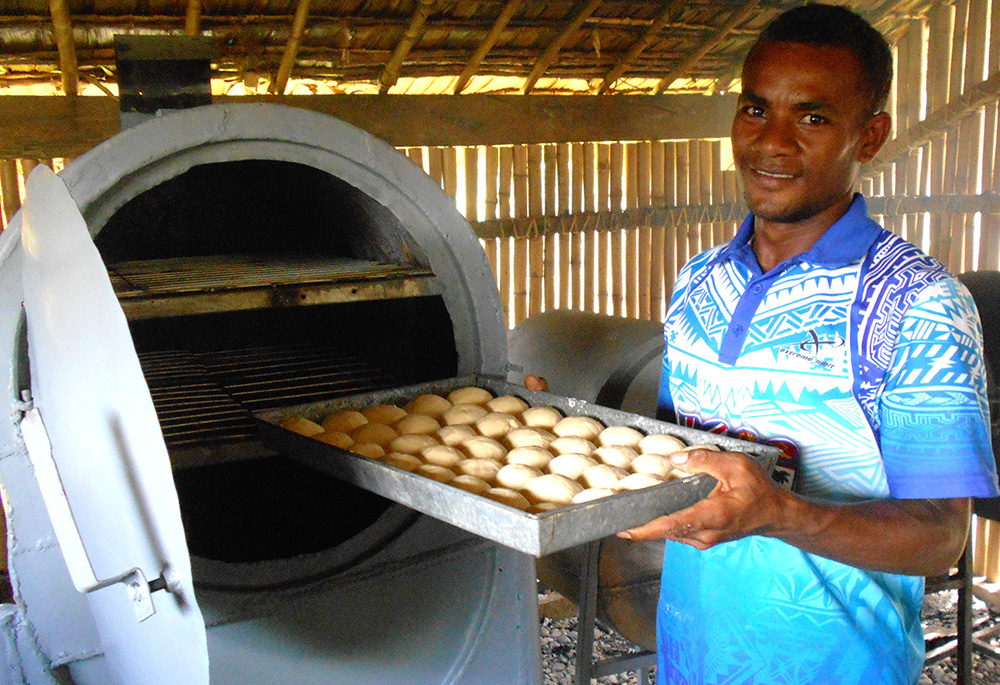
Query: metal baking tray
x,y
534,534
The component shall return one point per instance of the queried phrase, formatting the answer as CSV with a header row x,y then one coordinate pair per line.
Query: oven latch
x,y
36,440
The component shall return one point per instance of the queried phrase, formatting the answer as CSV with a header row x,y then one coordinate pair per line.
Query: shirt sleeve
x,y
933,411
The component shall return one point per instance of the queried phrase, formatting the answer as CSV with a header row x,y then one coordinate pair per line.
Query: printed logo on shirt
x,y
812,347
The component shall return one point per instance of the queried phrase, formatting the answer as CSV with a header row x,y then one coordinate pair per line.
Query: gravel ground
x,y
558,638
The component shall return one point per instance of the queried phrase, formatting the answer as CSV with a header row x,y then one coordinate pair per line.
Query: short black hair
x,y
835,26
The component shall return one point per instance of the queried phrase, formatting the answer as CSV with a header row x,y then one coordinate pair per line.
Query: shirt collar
x,y
846,241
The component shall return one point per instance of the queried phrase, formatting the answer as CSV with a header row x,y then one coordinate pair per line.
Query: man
x,y
817,328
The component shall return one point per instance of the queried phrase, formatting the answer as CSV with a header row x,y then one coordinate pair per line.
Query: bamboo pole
x,y
520,268
617,163
435,164
577,242
694,196
471,183
731,193
953,147
536,243
938,76
646,232
900,115
564,240
416,155
505,176
632,244
550,259
916,75
718,227
670,252
10,194
979,548
989,258
589,253
449,158
682,199
602,198
705,189
490,187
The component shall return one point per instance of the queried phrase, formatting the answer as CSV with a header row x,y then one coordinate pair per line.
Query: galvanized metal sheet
x,y
534,534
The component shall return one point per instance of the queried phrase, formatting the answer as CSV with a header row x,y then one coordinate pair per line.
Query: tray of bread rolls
x,y
534,471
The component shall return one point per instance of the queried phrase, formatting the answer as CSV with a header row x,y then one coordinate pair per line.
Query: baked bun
x,y
411,443
335,438
602,476
514,476
582,426
428,405
660,443
387,414
302,426
512,498
470,395
551,488
538,457
541,417
619,435
507,404
464,415
344,420
571,465
417,424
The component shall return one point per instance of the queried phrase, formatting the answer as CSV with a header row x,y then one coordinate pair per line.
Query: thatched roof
x,y
522,46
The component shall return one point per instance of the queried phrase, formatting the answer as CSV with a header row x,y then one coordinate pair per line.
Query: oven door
x,y
98,452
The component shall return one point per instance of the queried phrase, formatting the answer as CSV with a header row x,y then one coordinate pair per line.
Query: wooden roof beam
x,y
737,17
62,28
280,82
549,56
412,34
636,49
192,18
508,11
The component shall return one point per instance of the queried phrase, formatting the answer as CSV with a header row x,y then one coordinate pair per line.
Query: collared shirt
x,y
858,357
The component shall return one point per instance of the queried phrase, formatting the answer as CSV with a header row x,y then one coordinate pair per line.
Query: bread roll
x,y
541,417
704,446
464,415
345,420
571,465
659,443
470,395
512,498
619,435
335,438
368,449
602,476
435,472
590,494
407,462
615,455
411,444
456,435
302,426
529,437
387,414
537,457
417,424
379,433
486,469
470,483
551,488
514,476
572,444
651,463
637,481
542,507
582,426
428,405
482,447
496,425
507,404
441,455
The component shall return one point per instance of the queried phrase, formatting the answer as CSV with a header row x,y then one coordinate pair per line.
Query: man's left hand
x,y
744,502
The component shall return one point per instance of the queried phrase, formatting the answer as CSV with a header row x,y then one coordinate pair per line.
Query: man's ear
x,y
874,133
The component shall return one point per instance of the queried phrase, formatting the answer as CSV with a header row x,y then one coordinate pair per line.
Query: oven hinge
x,y
81,570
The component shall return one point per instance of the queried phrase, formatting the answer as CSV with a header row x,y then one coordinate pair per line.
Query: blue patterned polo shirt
x,y
862,359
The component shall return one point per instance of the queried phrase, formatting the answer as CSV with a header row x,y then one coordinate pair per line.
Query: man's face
x,y
802,128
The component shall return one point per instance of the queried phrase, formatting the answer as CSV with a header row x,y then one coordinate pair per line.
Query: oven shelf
x,y
198,285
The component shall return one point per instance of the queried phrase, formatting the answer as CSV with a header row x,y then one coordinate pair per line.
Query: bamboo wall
x,y
605,226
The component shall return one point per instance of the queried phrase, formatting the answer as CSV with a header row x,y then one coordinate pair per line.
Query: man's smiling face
x,y
803,126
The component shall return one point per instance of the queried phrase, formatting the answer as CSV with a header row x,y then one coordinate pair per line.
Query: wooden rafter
x,y
472,66
636,49
735,19
549,56
62,27
192,18
280,82
413,31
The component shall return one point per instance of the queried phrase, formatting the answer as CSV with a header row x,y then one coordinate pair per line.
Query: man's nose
x,y
776,136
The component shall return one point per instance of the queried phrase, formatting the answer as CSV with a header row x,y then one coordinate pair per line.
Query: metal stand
x,y
965,638
586,667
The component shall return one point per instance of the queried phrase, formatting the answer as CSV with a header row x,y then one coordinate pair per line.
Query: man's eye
x,y
754,111
814,119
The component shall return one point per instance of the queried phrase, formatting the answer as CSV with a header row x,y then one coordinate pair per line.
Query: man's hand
x,y
536,383
744,502
920,537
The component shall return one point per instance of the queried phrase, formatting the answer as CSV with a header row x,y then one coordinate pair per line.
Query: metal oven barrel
x,y
263,257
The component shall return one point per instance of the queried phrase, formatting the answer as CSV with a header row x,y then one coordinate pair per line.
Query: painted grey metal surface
x,y
99,419
535,534
52,637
